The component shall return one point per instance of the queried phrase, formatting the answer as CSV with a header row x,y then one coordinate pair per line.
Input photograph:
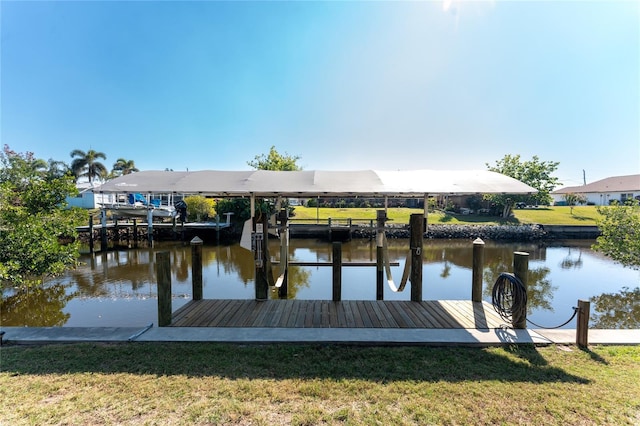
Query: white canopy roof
x,y
311,183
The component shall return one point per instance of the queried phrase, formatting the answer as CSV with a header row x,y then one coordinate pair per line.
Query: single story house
x,y
603,192
88,196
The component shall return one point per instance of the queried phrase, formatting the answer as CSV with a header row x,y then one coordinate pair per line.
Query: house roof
x,y
266,183
629,183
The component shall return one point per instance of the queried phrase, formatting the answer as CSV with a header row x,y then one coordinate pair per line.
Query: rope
x,y
387,265
509,299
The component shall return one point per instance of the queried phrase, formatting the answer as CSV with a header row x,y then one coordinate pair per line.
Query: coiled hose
x,y
509,298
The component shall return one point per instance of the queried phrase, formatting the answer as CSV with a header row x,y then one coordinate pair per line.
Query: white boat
x,y
136,205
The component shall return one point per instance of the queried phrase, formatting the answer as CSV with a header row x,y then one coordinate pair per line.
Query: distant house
x,y
87,198
603,192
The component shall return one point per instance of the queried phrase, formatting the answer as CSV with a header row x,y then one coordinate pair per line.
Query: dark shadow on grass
x,y
376,364
594,356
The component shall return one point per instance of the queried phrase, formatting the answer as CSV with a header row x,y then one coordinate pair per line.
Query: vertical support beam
x,y
91,234
196,268
283,291
381,217
521,271
337,271
582,329
135,233
163,272
416,222
103,230
262,283
116,230
478,267
426,211
150,226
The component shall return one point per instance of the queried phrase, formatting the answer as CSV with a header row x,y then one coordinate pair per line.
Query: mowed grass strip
x,y
209,383
552,215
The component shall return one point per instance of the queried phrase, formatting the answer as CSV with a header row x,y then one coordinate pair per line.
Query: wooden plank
x,y
382,318
441,311
350,321
405,311
417,314
362,311
397,315
340,314
432,320
456,314
384,308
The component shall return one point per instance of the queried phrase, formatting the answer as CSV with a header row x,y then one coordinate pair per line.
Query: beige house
x,y
603,192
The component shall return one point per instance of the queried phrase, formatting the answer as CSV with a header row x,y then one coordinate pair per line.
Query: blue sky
x,y
345,85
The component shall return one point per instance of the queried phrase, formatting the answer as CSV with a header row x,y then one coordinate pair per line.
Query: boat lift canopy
x,y
316,183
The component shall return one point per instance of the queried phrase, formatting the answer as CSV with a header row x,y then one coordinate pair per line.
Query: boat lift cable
x,y
387,265
509,299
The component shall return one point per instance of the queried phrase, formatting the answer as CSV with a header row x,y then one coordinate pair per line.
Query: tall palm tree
x,y
124,167
87,164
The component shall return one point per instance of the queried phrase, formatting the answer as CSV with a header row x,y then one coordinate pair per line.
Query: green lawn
x,y
208,383
554,215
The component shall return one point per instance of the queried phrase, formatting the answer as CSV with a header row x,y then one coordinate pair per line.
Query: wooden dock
x,y
445,314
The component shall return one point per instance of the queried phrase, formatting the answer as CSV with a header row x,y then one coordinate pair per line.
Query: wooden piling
x,y
478,267
283,290
261,282
163,272
582,329
521,271
196,268
337,271
150,227
103,231
135,233
416,223
91,234
381,217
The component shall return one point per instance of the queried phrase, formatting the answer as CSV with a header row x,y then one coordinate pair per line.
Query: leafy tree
x,y
620,233
275,161
199,208
87,164
124,167
572,199
535,173
57,169
37,234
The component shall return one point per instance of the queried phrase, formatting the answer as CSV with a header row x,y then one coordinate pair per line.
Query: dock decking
x,y
447,314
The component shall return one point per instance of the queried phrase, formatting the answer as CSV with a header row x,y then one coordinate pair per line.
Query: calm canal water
x,y
117,288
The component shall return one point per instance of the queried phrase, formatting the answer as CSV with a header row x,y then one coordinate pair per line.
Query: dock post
x,y
582,329
135,233
337,271
381,217
91,234
521,271
416,223
196,268
261,246
103,230
150,227
478,267
163,272
283,291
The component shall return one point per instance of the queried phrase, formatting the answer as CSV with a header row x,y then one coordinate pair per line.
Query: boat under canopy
x,y
316,183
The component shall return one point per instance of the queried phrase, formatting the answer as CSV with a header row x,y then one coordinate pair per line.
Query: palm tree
x,y
124,167
87,165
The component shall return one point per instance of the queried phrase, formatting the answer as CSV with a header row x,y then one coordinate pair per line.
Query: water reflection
x,y
558,276
616,310
36,307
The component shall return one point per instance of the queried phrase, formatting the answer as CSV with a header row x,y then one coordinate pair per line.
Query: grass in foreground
x,y
196,383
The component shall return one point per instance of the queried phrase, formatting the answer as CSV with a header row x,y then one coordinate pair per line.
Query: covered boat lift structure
x,y
258,184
